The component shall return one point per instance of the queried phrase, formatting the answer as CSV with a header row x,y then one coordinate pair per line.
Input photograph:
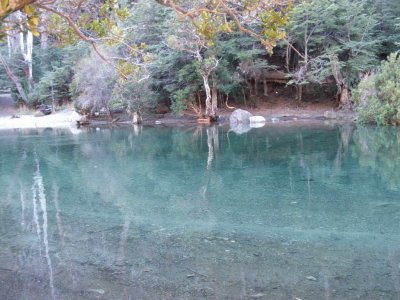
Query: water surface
x,y
169,213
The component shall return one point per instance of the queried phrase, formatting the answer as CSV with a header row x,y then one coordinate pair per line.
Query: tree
x,y
262,19
387,15
93,83
333,39
14,79
378,95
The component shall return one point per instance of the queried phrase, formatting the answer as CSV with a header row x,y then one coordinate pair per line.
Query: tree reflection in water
x,y
185,213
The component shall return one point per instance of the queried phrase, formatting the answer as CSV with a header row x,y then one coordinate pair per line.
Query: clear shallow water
x,y
169,213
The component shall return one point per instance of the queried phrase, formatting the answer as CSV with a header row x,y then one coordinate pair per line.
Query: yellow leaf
x,y
29,10
35,32
34,20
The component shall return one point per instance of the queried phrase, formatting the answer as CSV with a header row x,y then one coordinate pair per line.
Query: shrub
x,y
92,84
378,96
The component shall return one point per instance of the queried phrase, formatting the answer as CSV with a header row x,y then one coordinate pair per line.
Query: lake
x,y
285,212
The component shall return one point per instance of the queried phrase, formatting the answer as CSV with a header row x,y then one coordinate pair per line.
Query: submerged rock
x,y
257,296
311,278
98,291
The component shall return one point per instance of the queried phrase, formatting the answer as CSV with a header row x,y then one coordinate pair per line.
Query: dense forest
x,y
163,55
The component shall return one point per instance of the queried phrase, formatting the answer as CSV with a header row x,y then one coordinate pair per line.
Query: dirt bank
x,y
274,112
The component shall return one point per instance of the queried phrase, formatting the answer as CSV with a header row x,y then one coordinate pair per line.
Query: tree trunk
x,y
265,87
14,79
44,37
29,51
299,93
256,86
9,45
244,97
208,96
53,101
345,102
344,95
214,100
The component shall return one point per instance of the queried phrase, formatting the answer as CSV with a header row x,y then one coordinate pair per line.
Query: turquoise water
x,y
169,213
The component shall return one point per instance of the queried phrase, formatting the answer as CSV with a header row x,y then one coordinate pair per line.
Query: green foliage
x,y
134,94
55,68
191,83
334,36
378,96
388,31
53,87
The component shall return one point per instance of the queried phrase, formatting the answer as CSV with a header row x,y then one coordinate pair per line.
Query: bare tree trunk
x,y
345,102
344,95
200,106
226,103
208,95
44,37
299,93
265,87
9,45
256,86
244,97
14,79
53,101
214,100
29,51
250,86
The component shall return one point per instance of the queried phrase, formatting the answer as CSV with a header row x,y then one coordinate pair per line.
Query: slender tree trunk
x,y
214,100
265,87
344,94
14,79
9,45
344,97
53,101
299,93
44,37
244,97
27,50
28,57
208,96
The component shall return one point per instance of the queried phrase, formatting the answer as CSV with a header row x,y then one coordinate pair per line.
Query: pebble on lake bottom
x,y
311,278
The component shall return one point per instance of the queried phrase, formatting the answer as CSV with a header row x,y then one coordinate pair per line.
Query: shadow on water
x,y
168,213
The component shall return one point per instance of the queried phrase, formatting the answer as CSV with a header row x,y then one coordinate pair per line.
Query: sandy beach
x,y
62,119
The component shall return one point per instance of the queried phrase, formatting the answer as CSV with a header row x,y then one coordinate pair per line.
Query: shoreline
x,y
68,118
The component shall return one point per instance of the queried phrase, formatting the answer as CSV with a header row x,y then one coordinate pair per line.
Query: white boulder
x,y
257,119
240,116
